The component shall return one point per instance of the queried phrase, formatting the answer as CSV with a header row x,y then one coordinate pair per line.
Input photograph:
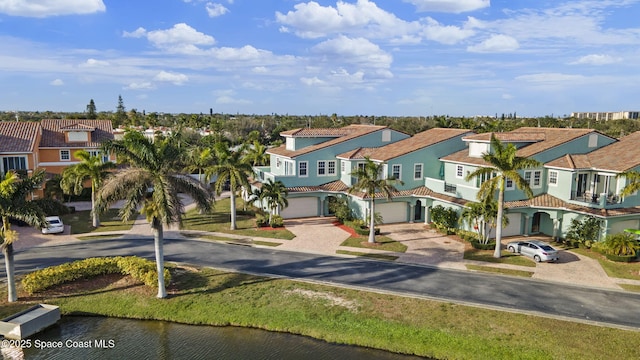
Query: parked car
x,y
54,225
535,249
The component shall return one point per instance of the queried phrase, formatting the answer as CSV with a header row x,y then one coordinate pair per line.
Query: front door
x,y
418,211
535,225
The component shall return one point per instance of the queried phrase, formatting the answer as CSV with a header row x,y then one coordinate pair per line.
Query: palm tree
x,y
14,191
152,183
370,182
231,168
89,168
276,195
256,154
504,164
634,182
483,215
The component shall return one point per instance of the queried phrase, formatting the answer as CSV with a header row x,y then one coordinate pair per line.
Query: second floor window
x,y
65,155
302,169
395,171
533,178
459,171
331,167
553,178
322,168
417,171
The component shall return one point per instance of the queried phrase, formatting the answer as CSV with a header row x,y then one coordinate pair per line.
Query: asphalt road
x,y
551,299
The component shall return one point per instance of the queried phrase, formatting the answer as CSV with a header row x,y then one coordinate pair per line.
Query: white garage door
x,y
513,228
393,212
621,225
300,207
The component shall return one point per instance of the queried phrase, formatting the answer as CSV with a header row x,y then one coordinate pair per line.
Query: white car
x,y
536,249
54,225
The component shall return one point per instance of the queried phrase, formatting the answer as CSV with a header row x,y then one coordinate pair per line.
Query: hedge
x,y
140,269
365,231
621,258
480,246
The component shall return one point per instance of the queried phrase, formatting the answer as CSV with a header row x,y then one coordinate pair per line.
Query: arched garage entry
x,y
541,223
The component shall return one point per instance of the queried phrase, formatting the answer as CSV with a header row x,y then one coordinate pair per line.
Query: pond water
x,y
109,338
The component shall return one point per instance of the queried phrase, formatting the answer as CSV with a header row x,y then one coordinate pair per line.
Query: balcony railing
x,y
595,198
450,188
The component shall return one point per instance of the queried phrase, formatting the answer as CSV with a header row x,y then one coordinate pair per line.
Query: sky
x,y
352,57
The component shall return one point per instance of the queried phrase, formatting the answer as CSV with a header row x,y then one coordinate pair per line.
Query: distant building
x,y
606,116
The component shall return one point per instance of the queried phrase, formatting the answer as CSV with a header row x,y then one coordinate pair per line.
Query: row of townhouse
x,y
50,144
578,177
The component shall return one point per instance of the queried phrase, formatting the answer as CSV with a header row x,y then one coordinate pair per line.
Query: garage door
x,y
619,227
300,207
393,212
513,228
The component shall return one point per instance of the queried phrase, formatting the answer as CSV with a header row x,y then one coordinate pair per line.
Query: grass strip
x,y
502,271
382,243
81,222
507,257
346,316
630,287
613,269
98,237
368,255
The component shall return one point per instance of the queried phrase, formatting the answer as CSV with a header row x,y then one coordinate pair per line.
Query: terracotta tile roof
x,y
571,161
18,136
335,186
53,132
416,142
542,139
548,201
350,132
359,153
318,132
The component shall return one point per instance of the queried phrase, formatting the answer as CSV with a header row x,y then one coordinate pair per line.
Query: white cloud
x,y
215,10
450,6
507,96
145,85
449,34
137,33
364,18
596,59
57,82
359,51
551,78
94,63
259,70
181,38
244,53
496,43
46,8
314,81
343,75
175,78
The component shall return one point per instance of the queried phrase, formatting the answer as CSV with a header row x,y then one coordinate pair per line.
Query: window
x,y
396,171
342,166
105,158
361,166
322,168
14,163
533,178
331,167
509,184
278,163
417,171
302,169
65,155
289,168
553,178
459,171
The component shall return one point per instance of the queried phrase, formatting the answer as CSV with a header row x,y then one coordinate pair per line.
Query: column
x,y
412,213
527,226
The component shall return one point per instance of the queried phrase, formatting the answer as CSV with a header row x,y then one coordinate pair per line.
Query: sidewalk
x,y
320,236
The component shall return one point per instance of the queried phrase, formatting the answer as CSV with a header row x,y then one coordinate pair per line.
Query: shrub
x,y
584,231
365,230
444,218
140,269
621,258
277,221
480,246
340,208
261,221
621,244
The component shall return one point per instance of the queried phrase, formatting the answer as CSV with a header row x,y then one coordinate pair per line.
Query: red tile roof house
x,y
50,144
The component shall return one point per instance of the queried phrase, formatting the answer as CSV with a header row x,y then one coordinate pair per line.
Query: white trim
x,y
59,163
335,169
557,174
421,171
68,152
506,184
306,169
393,166
324,167
532,175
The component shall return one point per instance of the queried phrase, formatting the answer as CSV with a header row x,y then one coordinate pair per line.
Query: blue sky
x,y
352,57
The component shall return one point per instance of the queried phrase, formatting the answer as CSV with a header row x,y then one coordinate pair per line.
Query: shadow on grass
x,y
189,282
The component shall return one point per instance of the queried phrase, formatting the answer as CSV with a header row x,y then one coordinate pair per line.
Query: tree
x,y
256,154
483,216
151,183
14,191
369,181
121,114
232,169
503,163
633,185
90,168
275,193
91,110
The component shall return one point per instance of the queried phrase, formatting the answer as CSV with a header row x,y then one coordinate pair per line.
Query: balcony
x,y
596,199
450,188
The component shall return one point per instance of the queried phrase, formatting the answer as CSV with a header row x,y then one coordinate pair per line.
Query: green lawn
x,y
229,239
507,257
219,220
80,222
382,243
400,324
